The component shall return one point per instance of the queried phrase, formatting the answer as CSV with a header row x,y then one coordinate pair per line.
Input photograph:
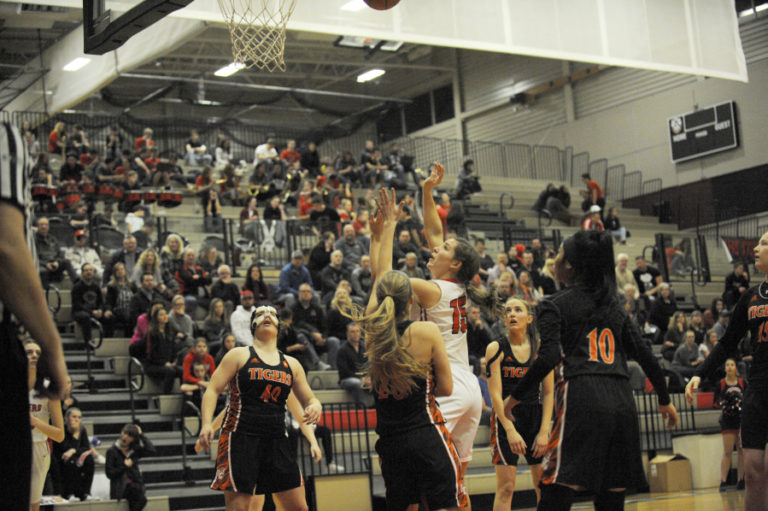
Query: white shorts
x,y
41,461
462,409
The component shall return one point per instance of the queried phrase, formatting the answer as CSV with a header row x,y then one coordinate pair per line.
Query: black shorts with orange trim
x,y
527,423
729,423
421,461
595,443
255,465
754,418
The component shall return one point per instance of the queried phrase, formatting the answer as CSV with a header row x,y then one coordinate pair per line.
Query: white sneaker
x,y
100,460
91,498
333,467
322,366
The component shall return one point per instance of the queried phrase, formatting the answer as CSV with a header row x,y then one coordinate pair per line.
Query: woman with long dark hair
x,y
749,315
595,443
161,350
408,367
254,282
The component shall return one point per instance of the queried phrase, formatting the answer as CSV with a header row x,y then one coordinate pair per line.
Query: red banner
x,y
740,249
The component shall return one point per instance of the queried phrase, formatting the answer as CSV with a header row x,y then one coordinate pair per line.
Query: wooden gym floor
x,y
699,500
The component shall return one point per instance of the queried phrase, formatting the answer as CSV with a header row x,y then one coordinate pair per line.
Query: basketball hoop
x,y
257,30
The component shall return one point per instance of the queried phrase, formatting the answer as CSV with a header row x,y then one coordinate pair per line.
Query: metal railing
x,y
54,309
134,387
654,434
510,200
90,347
186,471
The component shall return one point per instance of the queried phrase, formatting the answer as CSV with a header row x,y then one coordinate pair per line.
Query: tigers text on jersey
x,y
450,316
512,371
257,396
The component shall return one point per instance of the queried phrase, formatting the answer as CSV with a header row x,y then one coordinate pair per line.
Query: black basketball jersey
x,y
397,413
749,315
512,371
257,396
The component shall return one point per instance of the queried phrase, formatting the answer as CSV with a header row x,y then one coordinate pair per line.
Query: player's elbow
x,y
444,388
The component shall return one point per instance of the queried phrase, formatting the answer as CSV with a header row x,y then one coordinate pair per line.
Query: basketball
x,y
381,5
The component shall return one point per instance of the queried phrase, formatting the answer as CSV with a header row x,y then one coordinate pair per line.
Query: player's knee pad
x,y
555,497
609,501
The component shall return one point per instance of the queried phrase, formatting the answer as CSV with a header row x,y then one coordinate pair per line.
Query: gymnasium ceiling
x,y
318,87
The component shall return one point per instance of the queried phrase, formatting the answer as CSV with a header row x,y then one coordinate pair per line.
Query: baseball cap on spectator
x,y
594,209
246,292
81,232
297,254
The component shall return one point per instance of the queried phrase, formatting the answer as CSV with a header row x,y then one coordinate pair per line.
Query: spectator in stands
x,y
145,140
332,275
171,260
544,195
229,186
411,266
686,357
663,307
32,145
224,154
216,324
209,259
361,280
486,262
593,195
274,210
501,266
722,323
193,392
673,336
149,263
138,344
696,324
710,315
249,220
212,219
403,246
351,361
203,185
144,296
289,154
647,278
75,457
547,280
266,153
192,282
528,265
467,182
227,344
114,143
634,305
119,297
323,218
478,336
710,341
528,290
78,219
335,322
196,150
181,322
624,275
198,355
592,221
374,168
352,248
122,468
162,347
310,159
558,203
291,341
309,319
613,226
81,254
88,303
225,289
347,167
293,275
736,283
254,282
126,255
52,263
57,139
240,320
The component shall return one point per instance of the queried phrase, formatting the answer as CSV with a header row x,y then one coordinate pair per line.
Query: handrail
x,y
54,310
653,248
548,215
96,324
186,471
133,387
501,203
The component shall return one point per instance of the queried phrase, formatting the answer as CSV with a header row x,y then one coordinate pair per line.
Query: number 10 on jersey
x,y
602,347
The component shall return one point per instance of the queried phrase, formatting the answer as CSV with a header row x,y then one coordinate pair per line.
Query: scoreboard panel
x,y
706,131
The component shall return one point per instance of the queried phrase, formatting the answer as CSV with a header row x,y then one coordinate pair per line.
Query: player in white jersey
x,y
443,299
46,421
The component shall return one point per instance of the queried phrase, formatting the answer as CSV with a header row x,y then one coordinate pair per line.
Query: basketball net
x,y
257,29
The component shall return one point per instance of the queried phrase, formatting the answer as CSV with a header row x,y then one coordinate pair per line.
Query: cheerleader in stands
x,y
408,368
526,432
749,315
254,454
728,396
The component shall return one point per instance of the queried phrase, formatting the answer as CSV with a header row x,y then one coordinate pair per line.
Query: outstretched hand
x,y
435,177
387,206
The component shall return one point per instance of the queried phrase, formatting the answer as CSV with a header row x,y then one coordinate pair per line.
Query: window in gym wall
x,y
418,114
442,99
425,110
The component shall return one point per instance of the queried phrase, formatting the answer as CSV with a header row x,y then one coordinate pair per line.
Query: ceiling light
x,y
370,75
758,8
230,69
77,64
354,6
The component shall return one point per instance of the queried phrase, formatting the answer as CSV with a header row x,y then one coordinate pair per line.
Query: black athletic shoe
x,y
723,486
740,485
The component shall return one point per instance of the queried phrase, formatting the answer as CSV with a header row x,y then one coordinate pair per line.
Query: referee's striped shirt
x,y
14,174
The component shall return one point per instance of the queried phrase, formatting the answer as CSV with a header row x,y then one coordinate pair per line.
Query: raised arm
x,y
433,227
383,225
